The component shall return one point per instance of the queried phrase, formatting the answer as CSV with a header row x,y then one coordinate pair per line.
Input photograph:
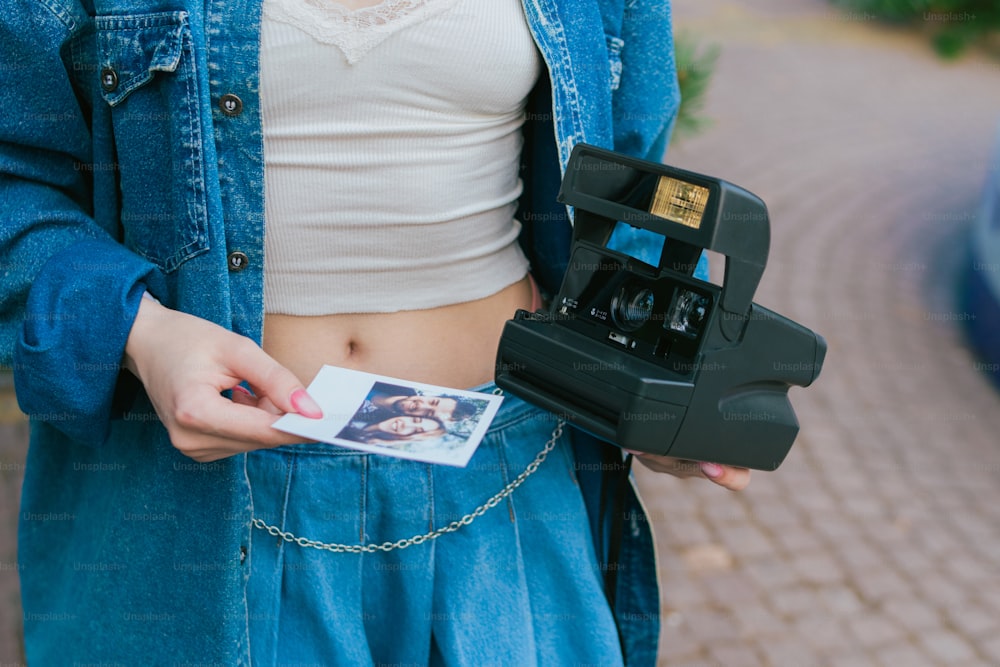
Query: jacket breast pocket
x,y
146,65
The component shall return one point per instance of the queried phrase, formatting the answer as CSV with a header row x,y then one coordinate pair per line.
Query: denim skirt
x,y
518,586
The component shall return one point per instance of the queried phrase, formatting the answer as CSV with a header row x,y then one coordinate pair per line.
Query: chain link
x,y
434,534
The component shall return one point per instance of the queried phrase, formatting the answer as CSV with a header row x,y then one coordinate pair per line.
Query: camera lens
x,y
631,309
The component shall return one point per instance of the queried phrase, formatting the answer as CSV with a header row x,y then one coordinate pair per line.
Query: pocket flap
x,y
132,48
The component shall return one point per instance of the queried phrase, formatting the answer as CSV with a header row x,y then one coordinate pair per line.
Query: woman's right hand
x,y
185,363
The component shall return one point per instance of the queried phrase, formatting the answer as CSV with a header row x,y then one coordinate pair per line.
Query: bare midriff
x,y
453,346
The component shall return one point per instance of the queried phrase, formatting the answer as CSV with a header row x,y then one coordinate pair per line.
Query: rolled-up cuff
x,y
67,360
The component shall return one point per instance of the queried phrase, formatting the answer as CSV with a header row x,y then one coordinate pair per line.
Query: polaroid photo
x,y
385,415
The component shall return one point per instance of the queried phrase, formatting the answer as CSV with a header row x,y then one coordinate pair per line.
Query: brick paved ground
x,y
878,540
13,447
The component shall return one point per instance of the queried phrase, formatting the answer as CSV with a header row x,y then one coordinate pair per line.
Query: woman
x,y
395,430
132,158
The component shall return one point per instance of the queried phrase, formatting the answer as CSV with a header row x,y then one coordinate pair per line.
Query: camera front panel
x,y
658,316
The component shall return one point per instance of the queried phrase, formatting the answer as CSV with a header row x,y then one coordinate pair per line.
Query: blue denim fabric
x,y
520,585
143,183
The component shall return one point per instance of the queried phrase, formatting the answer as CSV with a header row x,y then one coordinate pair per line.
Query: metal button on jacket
x,y
109,79
238,261
231,105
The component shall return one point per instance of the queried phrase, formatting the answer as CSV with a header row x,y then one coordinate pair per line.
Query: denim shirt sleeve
x,y
70,291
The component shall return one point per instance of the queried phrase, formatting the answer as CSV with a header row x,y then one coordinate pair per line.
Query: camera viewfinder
x,y
687,313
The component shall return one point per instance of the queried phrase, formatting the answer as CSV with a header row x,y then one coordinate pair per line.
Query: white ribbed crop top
x,y
392,138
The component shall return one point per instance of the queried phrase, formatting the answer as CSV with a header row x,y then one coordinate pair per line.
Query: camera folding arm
x,y
685,207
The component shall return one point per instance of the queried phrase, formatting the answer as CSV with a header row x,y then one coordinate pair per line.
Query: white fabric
x,y
354,32
392,138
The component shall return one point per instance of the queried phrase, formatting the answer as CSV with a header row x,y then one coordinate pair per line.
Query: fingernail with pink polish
x,y
243,390
712,470
305,405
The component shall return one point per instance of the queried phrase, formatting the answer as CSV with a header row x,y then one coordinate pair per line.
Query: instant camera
x,y
649,357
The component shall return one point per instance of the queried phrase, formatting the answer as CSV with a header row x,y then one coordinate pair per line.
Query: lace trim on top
x,y
355,32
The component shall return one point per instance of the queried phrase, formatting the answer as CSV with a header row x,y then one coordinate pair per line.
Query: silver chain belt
x,y
437,532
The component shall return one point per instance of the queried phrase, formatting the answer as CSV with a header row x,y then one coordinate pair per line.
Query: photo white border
x,y
340,392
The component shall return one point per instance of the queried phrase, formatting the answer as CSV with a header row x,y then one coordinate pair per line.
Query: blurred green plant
x,y
954,25
695,65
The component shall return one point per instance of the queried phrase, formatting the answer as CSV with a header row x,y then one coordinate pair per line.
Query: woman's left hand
x,y
730,477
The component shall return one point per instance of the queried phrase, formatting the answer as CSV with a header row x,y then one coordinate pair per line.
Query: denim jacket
x,y
127,547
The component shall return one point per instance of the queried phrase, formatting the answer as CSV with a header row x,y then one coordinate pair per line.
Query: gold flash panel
x,y
679,202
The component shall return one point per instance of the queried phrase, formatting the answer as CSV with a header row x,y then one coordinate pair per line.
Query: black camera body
x,y
649,357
